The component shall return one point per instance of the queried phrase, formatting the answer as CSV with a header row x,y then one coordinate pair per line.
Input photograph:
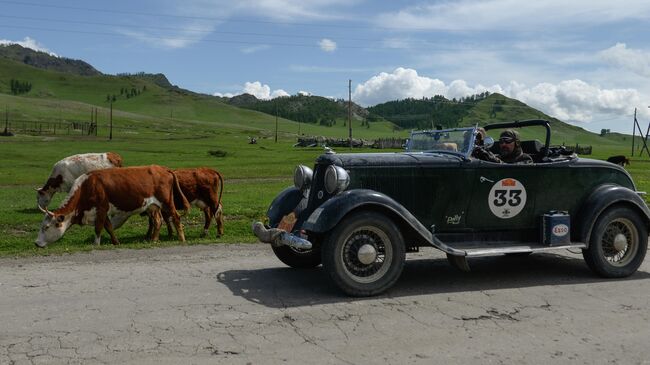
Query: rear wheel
x,y
364,254
618,243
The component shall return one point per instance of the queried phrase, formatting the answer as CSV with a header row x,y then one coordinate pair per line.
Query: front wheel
x,y
364,254
297,258
618,243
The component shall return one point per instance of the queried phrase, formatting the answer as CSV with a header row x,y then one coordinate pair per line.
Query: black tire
x,y
297,258
385,254
618,243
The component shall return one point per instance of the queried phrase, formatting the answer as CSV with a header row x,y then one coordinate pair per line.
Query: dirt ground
x,y
238,304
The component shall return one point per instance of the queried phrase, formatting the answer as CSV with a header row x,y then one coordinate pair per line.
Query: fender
x,y
600,199
328,215
283,204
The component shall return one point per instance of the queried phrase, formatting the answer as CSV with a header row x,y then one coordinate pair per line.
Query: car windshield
x,y
455,141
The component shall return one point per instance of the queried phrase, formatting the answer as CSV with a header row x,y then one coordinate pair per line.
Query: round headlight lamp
x,y
336,179
302,177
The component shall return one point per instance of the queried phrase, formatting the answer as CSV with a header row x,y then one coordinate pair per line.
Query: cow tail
x,y
180,201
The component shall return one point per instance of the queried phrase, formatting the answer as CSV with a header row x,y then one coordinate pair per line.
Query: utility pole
x,y
276,120
6,119
350,111
110,133
633,132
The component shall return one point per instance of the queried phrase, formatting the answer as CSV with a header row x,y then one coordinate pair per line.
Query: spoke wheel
x,y
364,254
618,243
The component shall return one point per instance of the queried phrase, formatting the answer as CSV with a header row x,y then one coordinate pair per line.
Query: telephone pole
x,y
350,111
276,121
110,133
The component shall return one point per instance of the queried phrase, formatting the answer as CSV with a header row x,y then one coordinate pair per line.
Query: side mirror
x,y
488,142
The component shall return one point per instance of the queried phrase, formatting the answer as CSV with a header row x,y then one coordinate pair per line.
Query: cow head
x,y
43,197
52,228
44,194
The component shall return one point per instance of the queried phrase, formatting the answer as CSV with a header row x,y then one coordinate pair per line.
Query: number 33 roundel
x,y
507,198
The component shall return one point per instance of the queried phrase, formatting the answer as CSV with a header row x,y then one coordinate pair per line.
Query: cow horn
x,y
44,210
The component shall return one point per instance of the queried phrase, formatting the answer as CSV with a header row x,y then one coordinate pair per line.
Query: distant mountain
x,y
37,74
46,61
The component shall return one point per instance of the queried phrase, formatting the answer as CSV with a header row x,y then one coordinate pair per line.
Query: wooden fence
x,y
32,127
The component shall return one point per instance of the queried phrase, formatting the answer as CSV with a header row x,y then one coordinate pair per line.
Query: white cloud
x,y
630,59
304,93
254,49
510,14
569,100
257,89
28,43
327,45
406,83
186,35
576,100
224,95
292,9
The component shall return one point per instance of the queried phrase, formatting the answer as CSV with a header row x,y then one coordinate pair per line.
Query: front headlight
x,y
302,177
336,179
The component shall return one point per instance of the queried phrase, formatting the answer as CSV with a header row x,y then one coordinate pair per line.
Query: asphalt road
x,y
237,304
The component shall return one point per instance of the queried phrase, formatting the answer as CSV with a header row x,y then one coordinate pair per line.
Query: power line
x,y
222,19
193,30
199,40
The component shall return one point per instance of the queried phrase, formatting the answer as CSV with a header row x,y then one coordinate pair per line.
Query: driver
x,y
510,147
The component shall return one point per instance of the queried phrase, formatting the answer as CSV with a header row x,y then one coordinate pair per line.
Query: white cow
x,y
66,171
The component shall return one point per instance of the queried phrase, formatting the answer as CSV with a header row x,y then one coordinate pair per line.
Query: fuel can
x,y
556,228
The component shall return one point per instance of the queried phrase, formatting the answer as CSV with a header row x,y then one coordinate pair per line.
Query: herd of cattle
x,y
103,193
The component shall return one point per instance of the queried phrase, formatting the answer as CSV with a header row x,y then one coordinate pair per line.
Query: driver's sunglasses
x,y
506,140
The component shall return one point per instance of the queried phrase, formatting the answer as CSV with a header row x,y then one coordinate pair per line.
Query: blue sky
x,y
584,62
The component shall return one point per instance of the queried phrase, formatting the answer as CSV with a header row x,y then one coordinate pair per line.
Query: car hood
x,y
348,160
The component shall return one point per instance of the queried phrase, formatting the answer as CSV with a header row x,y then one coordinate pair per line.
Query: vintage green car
x,y
360,213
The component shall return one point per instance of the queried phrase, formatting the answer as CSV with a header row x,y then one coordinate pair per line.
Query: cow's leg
x,y
218,217
155,219
109,228
150,227
208,219
179,226
99,224
167,218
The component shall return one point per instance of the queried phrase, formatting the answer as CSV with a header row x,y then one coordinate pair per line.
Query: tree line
x,y
20,87
425,113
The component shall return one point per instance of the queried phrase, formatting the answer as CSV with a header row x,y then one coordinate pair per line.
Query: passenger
x,y
510,147
480,151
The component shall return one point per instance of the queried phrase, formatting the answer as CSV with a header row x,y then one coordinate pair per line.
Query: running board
x,y
491,251
495,249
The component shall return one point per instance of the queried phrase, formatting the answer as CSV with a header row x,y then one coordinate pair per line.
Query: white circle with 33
x,y
507,198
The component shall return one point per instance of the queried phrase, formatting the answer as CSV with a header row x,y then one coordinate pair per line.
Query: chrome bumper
x,y
279,237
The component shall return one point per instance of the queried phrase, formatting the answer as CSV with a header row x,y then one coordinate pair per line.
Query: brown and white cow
x,y
66,171
203,188
106,198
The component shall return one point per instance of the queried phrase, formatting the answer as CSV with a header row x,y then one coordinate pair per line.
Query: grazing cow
x,y
619,160
106,198
66,171
203,188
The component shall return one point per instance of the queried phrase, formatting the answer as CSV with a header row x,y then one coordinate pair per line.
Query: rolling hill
x,y
64,88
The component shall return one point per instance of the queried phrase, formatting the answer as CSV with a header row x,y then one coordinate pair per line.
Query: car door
x,y
502,197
